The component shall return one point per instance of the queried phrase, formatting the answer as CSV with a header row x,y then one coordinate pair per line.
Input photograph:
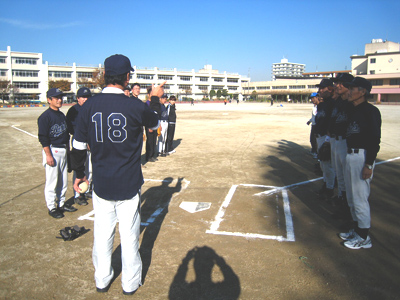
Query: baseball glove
x,y
324,152
71,233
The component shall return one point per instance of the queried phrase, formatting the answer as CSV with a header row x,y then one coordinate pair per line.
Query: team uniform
x,y
171,128
337,132
162,139
322,118
151,141
53,133
313,140
72,115
363,139
111,123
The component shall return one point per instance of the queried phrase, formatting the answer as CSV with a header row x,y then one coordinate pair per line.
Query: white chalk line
x,y
290,236
90,216
28,133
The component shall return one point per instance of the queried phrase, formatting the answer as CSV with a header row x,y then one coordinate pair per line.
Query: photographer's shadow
x,y
155,202
203,287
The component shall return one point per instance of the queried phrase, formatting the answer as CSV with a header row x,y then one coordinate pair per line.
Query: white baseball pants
x,y
358,189
56,178
326,167
162,139
107,213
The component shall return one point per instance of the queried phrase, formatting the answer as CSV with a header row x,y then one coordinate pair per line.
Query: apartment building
x,y
29,77
287,69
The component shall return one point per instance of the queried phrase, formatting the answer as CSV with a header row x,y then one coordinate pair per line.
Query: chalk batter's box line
x,y
90,216
290,237
286,208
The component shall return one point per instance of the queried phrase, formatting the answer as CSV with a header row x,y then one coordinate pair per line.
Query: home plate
x,y
193,207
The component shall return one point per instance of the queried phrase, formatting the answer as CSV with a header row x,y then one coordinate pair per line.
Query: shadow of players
x,y
205,263
155,202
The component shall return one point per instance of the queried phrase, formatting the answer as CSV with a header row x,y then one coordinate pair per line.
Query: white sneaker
x,y
358,242
347,235
172,151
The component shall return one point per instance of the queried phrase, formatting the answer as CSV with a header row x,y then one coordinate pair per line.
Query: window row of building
x,y
35,78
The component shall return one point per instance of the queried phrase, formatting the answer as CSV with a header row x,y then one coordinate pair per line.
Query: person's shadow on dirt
x,y
203,287
155,202
154,207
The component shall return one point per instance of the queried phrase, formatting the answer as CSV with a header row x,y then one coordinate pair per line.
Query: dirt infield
x,y
279,244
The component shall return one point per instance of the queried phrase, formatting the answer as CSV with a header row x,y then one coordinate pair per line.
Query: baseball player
x,y
136,90
127,90
151,140
82,95
337,132
171,110
164,126
314,99
111,123
363,138
54,137
322,118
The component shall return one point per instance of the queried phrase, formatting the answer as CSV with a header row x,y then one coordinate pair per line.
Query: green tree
x,y
225,93
219,93
254,95
212,94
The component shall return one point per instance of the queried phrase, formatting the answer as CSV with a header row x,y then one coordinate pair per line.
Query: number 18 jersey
x,y
111,123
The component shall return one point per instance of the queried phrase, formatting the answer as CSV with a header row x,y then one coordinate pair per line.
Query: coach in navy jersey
x,y
111,123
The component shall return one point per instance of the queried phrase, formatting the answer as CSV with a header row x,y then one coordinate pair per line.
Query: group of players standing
x,y
54,130
350,126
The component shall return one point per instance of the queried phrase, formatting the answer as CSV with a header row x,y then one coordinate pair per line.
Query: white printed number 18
x,y
116,127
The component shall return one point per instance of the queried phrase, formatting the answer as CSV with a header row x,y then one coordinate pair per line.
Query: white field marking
x,y
389,160
14,126
156,213
221,211
286,205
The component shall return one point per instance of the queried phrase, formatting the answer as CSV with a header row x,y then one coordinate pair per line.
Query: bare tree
x,y
98,78
4,88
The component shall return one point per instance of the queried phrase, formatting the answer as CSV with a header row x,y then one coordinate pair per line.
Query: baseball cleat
x,y
56,214
68,208
81,200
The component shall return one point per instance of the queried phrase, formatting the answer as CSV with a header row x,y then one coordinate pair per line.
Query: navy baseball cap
x,y
343,77
324,83
359,82
54,92
127,88
164,96
117,64
84,92
313,95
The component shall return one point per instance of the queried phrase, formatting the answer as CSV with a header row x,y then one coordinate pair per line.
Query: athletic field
x,y
233,214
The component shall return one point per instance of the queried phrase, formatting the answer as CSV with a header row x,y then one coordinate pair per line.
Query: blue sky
x,y
237,36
